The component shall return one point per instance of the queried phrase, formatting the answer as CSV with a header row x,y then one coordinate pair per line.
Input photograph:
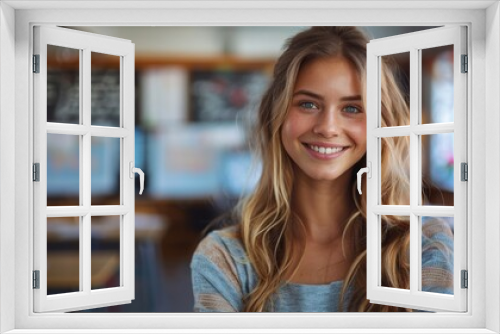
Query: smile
x,y
325,150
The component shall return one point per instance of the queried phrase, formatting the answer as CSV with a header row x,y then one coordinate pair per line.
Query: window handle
x,y
134,170
367,170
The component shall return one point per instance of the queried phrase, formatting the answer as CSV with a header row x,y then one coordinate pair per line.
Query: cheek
x,y
291,130
288,131
293,127
286,136
358,132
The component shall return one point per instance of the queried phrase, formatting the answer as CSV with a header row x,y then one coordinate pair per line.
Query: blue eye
x,y
352,109
308,105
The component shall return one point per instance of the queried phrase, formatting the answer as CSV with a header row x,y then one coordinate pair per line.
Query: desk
x,y
63,270
63,254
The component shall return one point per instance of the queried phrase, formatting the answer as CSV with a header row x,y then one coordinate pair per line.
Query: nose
x,y
327,125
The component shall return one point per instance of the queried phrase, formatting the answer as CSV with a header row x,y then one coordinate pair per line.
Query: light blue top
x,y
222,276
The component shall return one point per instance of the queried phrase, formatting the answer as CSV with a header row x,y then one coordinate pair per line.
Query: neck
x,y
323,207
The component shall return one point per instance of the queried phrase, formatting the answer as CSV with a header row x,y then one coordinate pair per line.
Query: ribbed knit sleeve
x,y
437,256
219,273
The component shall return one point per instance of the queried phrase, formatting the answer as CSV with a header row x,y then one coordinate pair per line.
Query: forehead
x,y
325,74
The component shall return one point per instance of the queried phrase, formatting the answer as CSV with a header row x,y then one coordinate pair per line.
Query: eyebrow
x,y
319,97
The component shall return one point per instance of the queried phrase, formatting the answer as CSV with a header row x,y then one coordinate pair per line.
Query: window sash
x,y
413,42
86,297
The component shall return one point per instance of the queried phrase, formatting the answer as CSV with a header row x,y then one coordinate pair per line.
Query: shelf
x,y
189,62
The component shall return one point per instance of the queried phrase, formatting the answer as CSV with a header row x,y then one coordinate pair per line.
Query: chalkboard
x,y
222,96
63,96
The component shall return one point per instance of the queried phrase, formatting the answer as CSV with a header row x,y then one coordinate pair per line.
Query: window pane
x,y
63,255
63,170
105,155
395,250
105,89
438,169
395,171
105,260
437,85
63,85
437,254
391,113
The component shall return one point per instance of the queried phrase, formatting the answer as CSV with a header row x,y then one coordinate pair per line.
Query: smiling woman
x,y
325,129
299,240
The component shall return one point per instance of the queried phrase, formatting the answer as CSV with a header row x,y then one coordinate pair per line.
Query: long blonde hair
x,y
266,215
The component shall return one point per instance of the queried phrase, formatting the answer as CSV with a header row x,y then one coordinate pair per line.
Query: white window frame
x,y
85,43
412,44
483,21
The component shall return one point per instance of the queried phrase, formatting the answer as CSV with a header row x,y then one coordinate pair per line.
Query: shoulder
x,y
437,255
437,233
221,254
435,226
225,243
221,273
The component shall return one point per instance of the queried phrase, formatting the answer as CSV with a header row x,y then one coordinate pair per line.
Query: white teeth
x,y
326,150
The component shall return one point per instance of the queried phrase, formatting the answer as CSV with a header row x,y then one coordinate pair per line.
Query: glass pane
x,y
438,169
105,89
105,258
437,85
395,170
63,170
105,155
63,255
63,85
437,254
395,245
394,108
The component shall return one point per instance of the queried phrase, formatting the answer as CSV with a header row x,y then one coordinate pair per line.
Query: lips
x,y
325,151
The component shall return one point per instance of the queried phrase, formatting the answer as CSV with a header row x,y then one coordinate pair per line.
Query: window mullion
x,y
109,210
123,165
85,177
80,130
66,211
76,131
434,128
406,210
394,131
415,92
67,129
419,129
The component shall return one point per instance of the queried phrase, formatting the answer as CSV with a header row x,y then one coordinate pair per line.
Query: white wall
x,y
194,41
492,167
215,41
7,160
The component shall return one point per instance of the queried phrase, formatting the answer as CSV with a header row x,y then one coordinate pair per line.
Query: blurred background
x,y
196,91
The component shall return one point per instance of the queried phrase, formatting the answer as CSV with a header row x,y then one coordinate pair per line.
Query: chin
x,y
324,177
318,174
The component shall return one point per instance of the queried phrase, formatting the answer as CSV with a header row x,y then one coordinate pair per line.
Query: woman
x,y
299,240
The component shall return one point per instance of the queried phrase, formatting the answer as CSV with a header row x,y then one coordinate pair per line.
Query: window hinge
x,y
464,172
465,64
36,279
465,279
36,172
36,63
